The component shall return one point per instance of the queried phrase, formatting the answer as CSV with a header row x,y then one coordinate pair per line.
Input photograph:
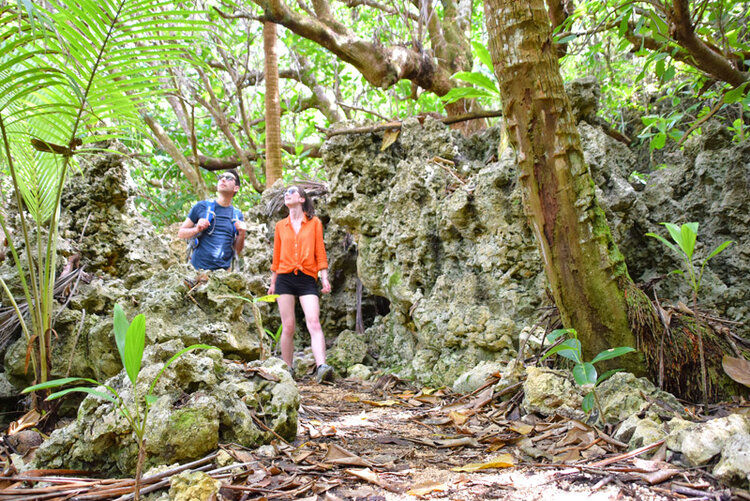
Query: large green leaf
x,y
612,353
57,382
570,349
135,341
719,249
584,373
83,389
588,402
479,80
664,241
483,55
121,325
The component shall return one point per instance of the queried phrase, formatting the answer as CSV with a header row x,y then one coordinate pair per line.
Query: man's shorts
x,y
297,285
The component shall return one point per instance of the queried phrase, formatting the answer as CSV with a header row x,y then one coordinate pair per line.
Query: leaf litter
x,y
383,440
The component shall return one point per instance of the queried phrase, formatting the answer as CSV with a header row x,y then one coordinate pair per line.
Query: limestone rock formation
x,y
202,401
440,233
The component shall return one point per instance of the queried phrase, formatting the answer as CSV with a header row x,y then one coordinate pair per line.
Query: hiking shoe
x,y
324,373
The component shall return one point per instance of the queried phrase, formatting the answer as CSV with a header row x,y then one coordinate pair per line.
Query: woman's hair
x,y
307,206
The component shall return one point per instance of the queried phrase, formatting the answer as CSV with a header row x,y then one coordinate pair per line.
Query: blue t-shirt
x,y
215,250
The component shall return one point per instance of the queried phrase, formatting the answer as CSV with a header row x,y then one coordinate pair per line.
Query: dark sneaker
x,y
324,373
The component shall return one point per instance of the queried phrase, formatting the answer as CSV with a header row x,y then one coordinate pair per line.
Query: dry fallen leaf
x,y
28,420
501,461
424,489
571,456
737,369
389,137
521,428
384,403
339,455
657,477
456,442
458,418
367,475
301,456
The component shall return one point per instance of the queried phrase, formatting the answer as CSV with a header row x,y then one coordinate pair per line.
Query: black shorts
x,y
296,285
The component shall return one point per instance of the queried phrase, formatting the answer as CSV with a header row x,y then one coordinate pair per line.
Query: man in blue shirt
x,y
218,226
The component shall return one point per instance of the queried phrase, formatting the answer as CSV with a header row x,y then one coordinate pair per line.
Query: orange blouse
x,y
303,251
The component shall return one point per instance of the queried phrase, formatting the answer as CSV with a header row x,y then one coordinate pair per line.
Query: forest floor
x,y
382,440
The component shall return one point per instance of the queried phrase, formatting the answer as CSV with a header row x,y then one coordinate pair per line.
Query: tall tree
x,y
273,108
586,272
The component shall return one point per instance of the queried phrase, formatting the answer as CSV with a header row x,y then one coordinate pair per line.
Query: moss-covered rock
x,y
202,400
349,349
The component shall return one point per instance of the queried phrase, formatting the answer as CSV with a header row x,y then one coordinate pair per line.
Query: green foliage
x,y
130,340
644,71
483,86
275,337
72,77
686,237
584,373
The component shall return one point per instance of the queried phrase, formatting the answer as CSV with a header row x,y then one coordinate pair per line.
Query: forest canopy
x,y
664,68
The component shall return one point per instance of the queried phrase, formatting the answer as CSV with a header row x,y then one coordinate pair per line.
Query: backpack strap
x,y
236,216
194,242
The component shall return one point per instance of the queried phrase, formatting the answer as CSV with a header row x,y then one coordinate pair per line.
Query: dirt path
x,y
382,441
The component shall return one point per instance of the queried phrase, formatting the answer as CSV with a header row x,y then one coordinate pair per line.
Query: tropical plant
x,y
584,373
275,337
73,75
686,237
130,338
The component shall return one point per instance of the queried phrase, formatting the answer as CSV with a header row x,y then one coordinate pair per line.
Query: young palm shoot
x,y
130,338
584,373
686,237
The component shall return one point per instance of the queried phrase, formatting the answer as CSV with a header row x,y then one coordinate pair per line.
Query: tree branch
x,y
396,125
221,121
382,66
214,164
378,6
183,163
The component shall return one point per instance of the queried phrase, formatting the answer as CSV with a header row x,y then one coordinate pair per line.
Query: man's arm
x,y
189,229
239,240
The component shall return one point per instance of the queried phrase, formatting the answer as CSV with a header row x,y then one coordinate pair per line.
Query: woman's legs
x,y
286,310
311,307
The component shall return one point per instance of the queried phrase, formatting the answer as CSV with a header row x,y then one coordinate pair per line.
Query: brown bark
x,y
587,274
559,11
381,65
707,59
273,108
695,51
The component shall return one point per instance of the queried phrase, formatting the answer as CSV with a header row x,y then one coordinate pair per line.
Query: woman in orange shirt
x,y
298,255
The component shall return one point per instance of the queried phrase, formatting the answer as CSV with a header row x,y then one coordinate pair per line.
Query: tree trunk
x,y
586,272
273,109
